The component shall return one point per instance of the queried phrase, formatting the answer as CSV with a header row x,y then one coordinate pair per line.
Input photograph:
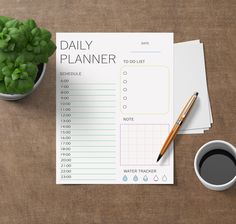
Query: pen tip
x,y
159,157
196,93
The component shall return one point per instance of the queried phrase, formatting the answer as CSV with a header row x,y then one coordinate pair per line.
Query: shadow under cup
x,y
215,165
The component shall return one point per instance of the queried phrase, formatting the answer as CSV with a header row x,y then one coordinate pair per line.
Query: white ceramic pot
x,y
20,96
215,144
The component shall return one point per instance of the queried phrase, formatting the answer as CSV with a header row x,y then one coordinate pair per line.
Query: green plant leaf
x,y
51,48
12,23
2,87
1,26
43,47
43,43
11,56
35,42
20,59
27,32
2,57
1,76
37,50
4,30
14,33
16,74
10,65
7,37
29,47
24,75
40,58
7,81
12,86
4,19
25,85
30,23
29,56
22,67
6,71
45,34
35,31
3,44
11,47
31,69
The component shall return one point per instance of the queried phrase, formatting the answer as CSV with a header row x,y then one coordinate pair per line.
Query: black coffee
x,y
217,167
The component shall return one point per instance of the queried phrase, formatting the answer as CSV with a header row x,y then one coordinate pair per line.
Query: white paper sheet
x,y
114,108
197,42
190,76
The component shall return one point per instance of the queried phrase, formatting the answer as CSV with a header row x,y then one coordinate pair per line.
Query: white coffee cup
x,y
216,144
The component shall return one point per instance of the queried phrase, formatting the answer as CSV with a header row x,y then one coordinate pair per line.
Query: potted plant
x,y
24,52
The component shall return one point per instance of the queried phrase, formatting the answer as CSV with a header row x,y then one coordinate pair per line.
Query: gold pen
x,y
178,124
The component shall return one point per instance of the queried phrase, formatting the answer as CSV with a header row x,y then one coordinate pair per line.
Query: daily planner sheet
x,y
114,108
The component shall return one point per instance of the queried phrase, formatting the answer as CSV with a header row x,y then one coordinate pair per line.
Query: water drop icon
x,y
145,178
155,178
125,178
164,178
135,178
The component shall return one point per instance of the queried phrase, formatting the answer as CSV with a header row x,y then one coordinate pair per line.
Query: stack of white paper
x,y
189,77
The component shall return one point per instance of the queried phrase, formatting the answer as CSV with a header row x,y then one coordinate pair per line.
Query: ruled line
x,y
95,174
84,118
72,179
92,101
89,89
99,168
89,162
90,135
88,129
94,146
74,83
90,151
87,140
88,107
111,157
88,95
93,123
90,112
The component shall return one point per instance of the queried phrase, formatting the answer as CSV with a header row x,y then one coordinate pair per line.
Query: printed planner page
x,y
114,108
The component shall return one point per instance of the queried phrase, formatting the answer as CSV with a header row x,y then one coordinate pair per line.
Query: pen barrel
x,y
170,138
178,123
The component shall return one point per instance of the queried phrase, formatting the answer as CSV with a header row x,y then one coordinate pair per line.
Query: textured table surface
x,y
28,193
